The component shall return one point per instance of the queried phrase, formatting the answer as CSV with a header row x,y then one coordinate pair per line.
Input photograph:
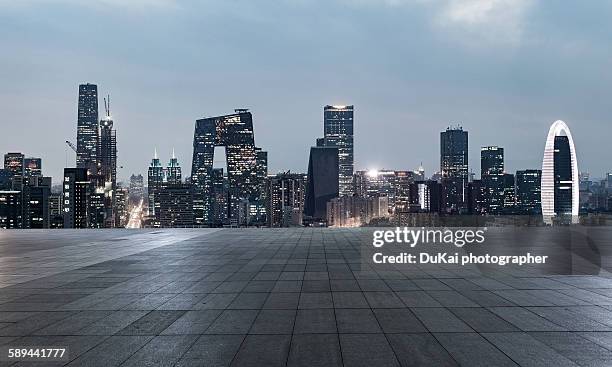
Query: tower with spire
x,y
173,171
155,181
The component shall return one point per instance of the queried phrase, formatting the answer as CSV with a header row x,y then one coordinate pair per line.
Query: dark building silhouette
x,y
235,133
563,177
476,197
87,128
322,185
107,167
509,193
492,176
528,191
175,208
35,202
32,167
454,169
155,182
338,132
5,179
76,188
10,209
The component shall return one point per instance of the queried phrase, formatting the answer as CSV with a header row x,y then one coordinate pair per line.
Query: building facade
x,y
338,132
528,191
323,182
454,169
76,191
492,178
87,128
286,192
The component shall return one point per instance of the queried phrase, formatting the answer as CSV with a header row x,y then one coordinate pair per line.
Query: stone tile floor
x,y
283,297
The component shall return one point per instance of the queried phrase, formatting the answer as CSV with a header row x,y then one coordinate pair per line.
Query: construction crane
x,y
72,146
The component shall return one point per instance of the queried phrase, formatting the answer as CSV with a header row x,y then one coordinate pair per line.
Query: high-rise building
x,y
76,189
322,185
56,216
338,132
492,178
32,167
220,196
5,179
10,209
286,199
121,200
107,166
87,128
560,186
235,133
403,180
454,169
509,193
155,182
35,201
173,171
528,191
476,198
13,162
175,206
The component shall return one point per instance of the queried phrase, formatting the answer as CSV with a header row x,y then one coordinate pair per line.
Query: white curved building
x,y
560,191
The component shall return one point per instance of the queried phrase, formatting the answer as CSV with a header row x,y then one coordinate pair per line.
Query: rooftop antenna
x,y
107,104
155,154
173,156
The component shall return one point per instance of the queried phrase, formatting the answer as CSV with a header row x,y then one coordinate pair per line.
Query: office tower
x,y
286,199
87,128
492,176
35,201
76,188
173,171
32,167
5,179
121,205
56,217
136,189
175,206
155,181
107,165
10,209
560,187
425,196
13,163
476,198
528,191
323,184
338,132
403,180
259,206
235,133
97,209
220,197
509,192
454,168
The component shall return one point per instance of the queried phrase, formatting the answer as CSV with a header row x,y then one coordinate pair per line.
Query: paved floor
x,y
299,297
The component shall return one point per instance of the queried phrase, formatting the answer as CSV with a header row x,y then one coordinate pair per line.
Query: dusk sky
x,y
503,69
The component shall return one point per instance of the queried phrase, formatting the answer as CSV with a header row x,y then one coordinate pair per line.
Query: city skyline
x,y
404,88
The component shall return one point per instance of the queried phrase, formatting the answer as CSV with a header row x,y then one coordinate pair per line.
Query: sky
x,y
503,69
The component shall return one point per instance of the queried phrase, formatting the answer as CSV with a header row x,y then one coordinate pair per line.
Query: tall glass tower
x,y
155,181
454,168
492,178
338,132
87,128
173,171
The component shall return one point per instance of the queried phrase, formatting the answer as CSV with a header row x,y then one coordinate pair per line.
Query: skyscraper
x,y
338,132
492,178
76,189
323,182
286,199
454,169
87,128
107,166
175,206
155,181
560,186
173,171
13,162
528,191
235,133
32,167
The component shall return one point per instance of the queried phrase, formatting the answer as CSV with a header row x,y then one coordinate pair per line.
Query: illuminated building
x,y
173,171
155,181
235,133
338,132
32,167
454,169
76,190
10,209
175,206
87,128
13,163
286,199
492,178
528,191
560,186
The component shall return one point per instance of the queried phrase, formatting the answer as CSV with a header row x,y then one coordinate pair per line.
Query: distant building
x,y
76,190
13,163
32,167
56,216
286,193
107,167
35,202
220,201
322,185
87,128
5,179
155,182
528,191
477,203
173,171
175,209
338,132
122,212
10,209
235,133
355,211
509,193
492,177
136,189
454,169
560,186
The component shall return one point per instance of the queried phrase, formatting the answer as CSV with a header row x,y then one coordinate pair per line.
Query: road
x,y
136,216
